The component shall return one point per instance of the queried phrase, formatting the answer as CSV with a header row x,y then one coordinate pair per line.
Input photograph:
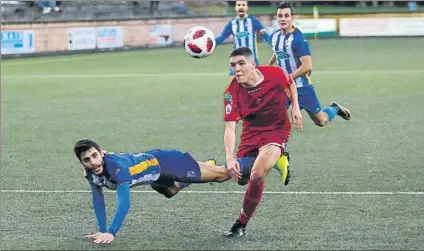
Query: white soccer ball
x,y
199,42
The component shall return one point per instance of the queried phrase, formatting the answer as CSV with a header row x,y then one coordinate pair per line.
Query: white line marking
x,y
229,192
5,63
194,74
55,60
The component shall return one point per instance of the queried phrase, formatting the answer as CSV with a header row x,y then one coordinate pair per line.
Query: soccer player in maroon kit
x,y
256,95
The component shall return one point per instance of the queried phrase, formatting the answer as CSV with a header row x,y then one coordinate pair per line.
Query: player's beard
x,y
99,169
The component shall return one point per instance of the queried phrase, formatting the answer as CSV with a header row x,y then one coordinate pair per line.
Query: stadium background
x,y
357,185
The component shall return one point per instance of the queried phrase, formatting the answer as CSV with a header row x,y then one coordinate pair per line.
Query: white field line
x,y
229,192
194,74
64,59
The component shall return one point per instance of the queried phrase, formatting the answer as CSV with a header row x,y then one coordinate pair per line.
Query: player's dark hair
x,y
286,5
83,145
242,51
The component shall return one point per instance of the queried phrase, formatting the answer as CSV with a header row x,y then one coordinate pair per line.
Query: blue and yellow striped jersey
x,y
134,169
289,48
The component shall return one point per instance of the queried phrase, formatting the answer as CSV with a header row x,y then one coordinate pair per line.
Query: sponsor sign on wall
x,y
82,38
396,26
17,41
160,35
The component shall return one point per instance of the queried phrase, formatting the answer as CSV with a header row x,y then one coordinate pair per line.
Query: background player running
x,y
245,29
292,54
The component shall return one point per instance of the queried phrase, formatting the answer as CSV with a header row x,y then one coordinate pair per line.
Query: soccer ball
x,y
199,42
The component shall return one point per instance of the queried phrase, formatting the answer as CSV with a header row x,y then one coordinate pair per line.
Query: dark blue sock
x,y
331,112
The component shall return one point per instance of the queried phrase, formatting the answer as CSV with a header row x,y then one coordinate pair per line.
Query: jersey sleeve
x,y
226,32
257,25
99,207
231,109
301,46
123,205
117,171
284,79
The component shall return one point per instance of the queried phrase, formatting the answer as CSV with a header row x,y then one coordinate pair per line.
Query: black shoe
x,y
343,112
237,230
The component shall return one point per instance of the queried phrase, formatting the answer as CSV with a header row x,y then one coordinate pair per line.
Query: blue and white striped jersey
x,y
245,33
289,49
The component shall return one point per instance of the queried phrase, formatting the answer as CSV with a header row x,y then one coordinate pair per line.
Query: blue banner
x,y
17,41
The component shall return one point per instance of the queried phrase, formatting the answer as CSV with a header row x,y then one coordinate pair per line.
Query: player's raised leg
x,y
308,100
210,172
326,115
182,167
342,111
265,161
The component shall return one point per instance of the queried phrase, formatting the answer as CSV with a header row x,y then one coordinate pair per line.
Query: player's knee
x,y
243,180
320,121
169,194
165,191
166,194
257,176
269,152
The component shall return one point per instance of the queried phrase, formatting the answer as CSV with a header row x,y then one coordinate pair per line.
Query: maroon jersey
x,y
262,108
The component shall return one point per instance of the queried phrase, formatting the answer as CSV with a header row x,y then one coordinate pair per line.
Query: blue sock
x,y
331,112
184,185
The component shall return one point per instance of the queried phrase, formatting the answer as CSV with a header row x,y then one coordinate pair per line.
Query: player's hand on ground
x,y
101,238
297,118
233,168
93,236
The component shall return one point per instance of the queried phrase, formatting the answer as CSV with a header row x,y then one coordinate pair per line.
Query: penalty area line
x,y
234,192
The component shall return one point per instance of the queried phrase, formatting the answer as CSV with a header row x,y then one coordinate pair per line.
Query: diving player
x,y
167,171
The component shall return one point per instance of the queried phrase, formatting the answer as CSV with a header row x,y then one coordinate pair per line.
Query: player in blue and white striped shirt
x,y
244,28
292,54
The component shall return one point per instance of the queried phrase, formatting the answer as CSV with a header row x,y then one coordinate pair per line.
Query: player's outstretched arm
x,y
123,193
258,27
99,206
266,37
272,60
226,32
123,205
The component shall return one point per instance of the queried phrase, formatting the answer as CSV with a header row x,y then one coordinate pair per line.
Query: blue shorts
x,y
246,164
308,99
176,166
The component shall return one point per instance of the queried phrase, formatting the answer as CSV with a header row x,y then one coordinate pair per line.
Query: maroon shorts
x,y
250,147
